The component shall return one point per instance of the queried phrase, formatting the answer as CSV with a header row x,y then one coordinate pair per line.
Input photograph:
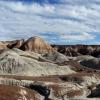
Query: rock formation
x,y
9,92
77,50
36,44
15,44
25,63
33,70
3,46
91,62
55,57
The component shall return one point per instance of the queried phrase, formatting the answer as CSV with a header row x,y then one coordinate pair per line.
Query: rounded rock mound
x,y
36,44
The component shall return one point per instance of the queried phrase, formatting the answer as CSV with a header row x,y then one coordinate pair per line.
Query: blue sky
x,y
57,21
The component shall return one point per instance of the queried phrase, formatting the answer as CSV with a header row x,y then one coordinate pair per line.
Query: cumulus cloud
x,y
61,19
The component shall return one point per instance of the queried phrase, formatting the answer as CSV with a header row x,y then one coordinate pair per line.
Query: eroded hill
x,y
33,70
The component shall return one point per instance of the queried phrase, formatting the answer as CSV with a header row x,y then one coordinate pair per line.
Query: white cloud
x,y
79,37
73,16
32,8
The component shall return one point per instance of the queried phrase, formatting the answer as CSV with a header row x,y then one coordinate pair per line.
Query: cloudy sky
x,y
57,21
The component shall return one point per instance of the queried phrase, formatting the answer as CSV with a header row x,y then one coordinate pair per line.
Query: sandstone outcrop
x,y
3,46
15,43
36,44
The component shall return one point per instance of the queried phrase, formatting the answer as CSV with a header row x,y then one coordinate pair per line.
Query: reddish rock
x,y
36,44
15,44
2,46
8,92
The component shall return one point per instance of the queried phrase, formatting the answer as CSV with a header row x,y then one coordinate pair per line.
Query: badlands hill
x,y
36,44
76,50
35,52
15,43
32,69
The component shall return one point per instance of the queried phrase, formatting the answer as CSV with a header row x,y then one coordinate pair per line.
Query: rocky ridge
x,y
38,71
